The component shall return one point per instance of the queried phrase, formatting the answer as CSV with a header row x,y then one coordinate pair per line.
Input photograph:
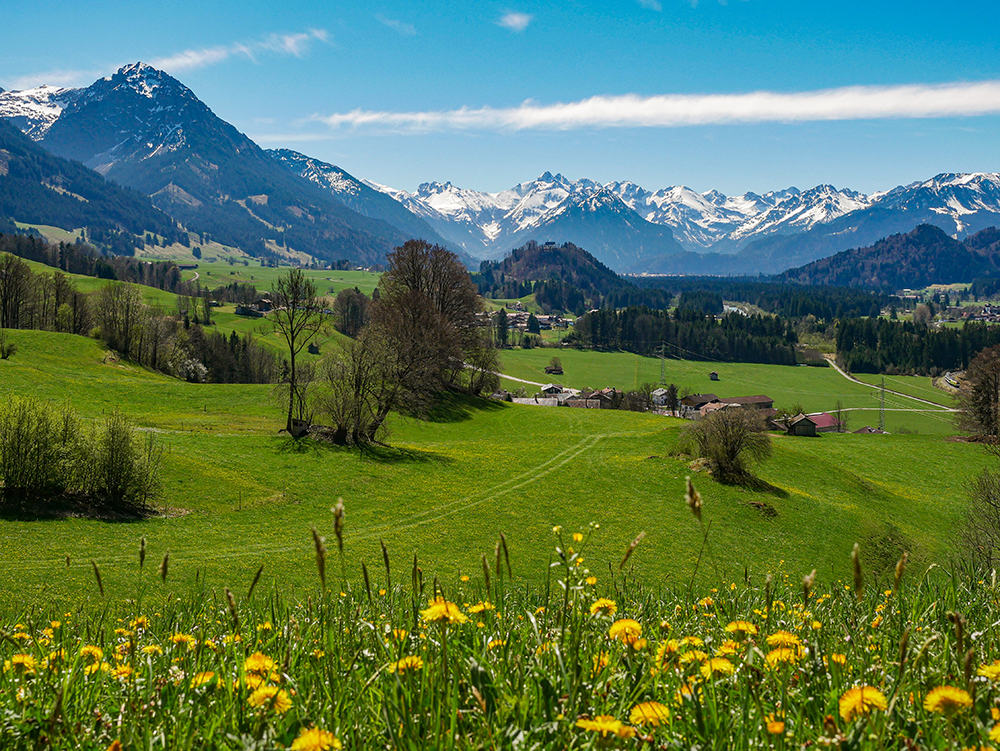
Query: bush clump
x,y
49,456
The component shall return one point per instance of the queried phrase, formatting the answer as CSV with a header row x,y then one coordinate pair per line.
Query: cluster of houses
x,y
696,406
517,319
556,395
988,313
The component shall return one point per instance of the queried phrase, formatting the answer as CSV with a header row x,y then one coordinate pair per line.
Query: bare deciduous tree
x,y
298,317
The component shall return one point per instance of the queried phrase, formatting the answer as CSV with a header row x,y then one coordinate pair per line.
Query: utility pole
x,y
881,406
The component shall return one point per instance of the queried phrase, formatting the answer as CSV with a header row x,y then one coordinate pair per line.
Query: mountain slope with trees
x,y
37,187
916,259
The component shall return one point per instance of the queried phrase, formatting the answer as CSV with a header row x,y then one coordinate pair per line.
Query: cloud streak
x,y
516,22
405,29
679,110
295,45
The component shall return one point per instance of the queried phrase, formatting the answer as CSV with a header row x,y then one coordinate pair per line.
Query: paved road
x,y
849,377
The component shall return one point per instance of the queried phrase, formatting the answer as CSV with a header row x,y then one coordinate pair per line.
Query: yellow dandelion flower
x,y
122,672
717,665
860,701
186,639
650,713
601,660
625,629
666,653
603,606
728,648
479,607
140,622
92,654
314,739
442,611
686,692
947,700
783,639
775,724
694,655
607,726
591,580
258,664
399,634
20,663
838,659
782,655
991,671
271,697
995,734
402,665
577,537
741,629
691,641
152,649
463,578
200,679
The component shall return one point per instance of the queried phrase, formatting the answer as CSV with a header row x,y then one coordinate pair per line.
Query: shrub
x,y
46,453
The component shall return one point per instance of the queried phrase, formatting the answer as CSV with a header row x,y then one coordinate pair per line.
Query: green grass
x,y
327,282
239,494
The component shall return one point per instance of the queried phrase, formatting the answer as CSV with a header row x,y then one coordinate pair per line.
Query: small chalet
x,y
550,370
313,349
713,376
659,397
801,425
551,389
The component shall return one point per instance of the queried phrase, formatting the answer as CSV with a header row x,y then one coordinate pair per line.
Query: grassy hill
x,y
237,494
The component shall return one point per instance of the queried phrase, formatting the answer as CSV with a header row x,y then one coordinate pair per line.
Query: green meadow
x,y
238,494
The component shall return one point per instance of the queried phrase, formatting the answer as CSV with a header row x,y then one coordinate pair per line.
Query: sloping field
x,y
237,494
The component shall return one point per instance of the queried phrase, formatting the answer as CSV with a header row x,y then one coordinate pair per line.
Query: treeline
x,y
688,334
785,300
905,347
172,342
85,260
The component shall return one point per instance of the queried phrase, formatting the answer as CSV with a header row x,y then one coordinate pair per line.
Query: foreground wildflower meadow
x,y
590,660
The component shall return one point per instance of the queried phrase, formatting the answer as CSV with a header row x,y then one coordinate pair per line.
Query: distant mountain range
x,y
144,129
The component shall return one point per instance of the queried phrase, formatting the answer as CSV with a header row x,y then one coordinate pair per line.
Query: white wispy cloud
x,y
676,110
406,29
652,5
58,77
281,44
515,21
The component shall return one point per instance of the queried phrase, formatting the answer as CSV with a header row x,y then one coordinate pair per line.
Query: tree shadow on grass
x,y
748,481
452,407
71,506
381,453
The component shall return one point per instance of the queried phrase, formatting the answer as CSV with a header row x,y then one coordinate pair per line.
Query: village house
x,y
691,404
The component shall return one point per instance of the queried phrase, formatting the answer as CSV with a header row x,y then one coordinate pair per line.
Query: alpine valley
x,y
143,129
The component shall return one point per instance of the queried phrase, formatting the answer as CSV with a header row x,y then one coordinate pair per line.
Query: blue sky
x,y
736,96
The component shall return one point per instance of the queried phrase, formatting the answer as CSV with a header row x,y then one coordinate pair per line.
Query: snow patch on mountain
x,y
34,110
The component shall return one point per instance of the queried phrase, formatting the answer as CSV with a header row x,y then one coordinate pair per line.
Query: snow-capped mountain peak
x,y
34,110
